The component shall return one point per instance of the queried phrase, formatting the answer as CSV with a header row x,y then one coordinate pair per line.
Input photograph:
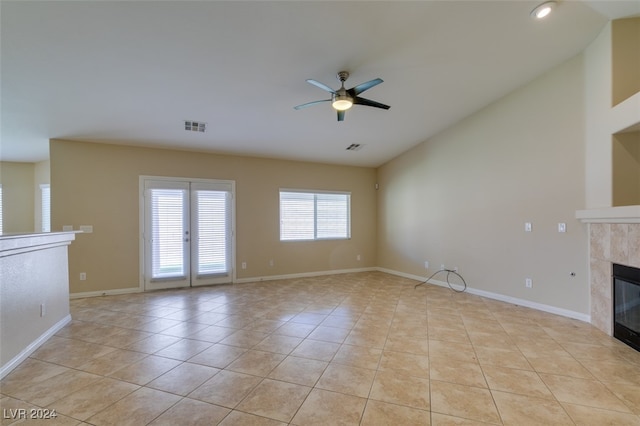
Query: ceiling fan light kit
x,y
343,99
342,103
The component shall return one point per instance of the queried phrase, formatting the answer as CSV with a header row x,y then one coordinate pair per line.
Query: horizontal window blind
x,y
314,216
169,233
297,216
332,216
212,232
46,207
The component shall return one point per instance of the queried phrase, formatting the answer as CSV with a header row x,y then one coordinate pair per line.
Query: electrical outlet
x,y
358,258
83,276
528,283
426,264
527,227
244,265
271,263
455,269
442,267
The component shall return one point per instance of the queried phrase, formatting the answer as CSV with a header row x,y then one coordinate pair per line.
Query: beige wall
x,y
462,198
625,58
96,184
626,169
18,184
22,200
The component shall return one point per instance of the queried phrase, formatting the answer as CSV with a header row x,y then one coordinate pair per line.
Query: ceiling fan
x,y
343,99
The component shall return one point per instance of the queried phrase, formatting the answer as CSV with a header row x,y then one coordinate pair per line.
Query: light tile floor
x,y
363,348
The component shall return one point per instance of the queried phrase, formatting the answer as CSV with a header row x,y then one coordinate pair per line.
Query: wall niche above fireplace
x,y
625,84
626,168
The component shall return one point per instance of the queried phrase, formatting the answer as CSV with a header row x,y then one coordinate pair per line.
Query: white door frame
x,y
142,219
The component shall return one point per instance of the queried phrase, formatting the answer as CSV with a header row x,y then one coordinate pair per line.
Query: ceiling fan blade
x,y
321,86
308,104
362,101
341,115
365,86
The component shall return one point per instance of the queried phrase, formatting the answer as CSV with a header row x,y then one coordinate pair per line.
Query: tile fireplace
x,y
609,243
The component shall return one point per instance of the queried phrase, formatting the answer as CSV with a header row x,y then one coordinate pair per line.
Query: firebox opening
x,y
626,305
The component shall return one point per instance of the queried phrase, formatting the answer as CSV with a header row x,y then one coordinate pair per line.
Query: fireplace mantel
x,y
622,214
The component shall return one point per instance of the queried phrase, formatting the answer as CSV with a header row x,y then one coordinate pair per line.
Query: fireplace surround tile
x,y
634,246
600,240
601,300
609,243
620,243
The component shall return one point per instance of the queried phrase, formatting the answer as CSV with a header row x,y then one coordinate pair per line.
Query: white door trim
x,y
141,221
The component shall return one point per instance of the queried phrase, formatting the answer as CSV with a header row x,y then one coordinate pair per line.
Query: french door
x,y
187,232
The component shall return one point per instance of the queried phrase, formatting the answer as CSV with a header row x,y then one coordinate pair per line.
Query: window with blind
x,y
314,215
45,192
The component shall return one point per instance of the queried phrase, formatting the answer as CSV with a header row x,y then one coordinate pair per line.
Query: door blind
x,y
212,232
169,233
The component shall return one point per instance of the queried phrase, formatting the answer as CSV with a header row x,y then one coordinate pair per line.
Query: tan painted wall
x,y
625,58
626,169
18,194
96,184
462,198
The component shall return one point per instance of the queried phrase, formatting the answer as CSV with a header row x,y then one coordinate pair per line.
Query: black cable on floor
x,y
448,271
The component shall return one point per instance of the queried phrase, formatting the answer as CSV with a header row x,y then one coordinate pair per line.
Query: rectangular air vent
x,y
354,147
195,126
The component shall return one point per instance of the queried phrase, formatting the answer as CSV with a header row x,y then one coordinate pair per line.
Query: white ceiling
x,y
131,72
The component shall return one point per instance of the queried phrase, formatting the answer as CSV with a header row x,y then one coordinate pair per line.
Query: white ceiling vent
x,y
195,126
354,147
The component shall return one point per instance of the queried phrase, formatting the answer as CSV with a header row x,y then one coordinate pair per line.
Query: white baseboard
x,y
302,275
496,296
24,354
402,274
104,293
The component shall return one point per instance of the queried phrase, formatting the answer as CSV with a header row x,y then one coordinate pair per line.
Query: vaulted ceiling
x,y
132,72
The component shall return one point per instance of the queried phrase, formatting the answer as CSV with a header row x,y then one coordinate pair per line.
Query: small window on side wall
x,y
45,192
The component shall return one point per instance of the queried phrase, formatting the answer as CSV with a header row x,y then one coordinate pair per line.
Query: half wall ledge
x,y
34,293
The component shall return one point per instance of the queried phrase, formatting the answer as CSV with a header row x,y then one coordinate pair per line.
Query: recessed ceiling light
x,y
543,9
